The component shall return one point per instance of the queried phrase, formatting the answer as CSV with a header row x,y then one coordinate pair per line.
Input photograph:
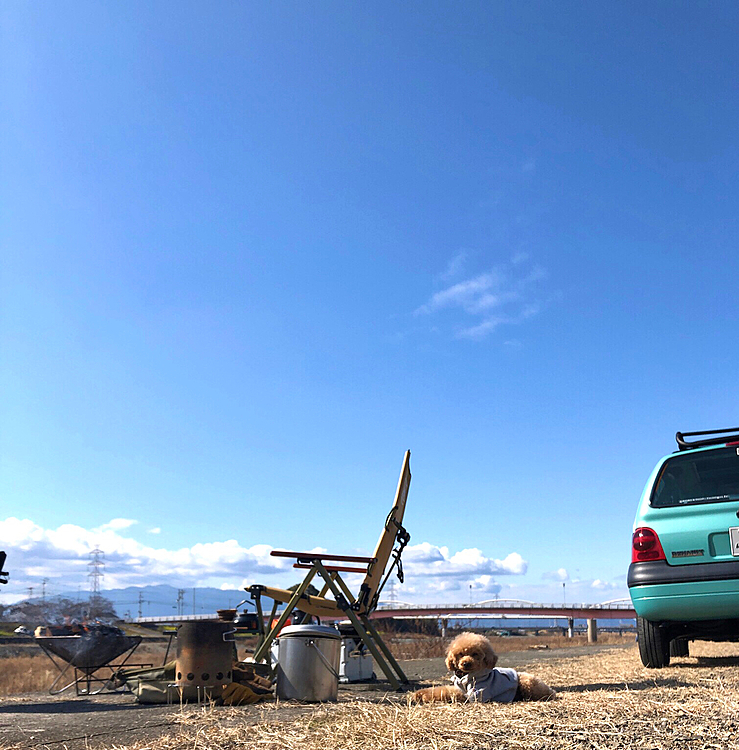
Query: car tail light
x,y
645,545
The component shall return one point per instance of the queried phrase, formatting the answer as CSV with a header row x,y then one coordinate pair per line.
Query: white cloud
x,y
62,555
560,574
485,585
481,330
454,266
155,530
575,589
425,553
479,588
464,293
433,573
443,586
508,294
600,585
117,524
427,560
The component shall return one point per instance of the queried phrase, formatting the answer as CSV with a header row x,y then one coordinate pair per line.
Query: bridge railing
x,y
507,604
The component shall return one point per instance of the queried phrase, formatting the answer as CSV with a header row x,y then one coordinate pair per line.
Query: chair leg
x,y
385,650
261,652
369,635
374,650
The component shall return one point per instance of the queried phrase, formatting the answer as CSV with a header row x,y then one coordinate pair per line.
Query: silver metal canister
x,y
308,663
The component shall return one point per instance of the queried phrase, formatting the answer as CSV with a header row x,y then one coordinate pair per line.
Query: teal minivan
x,y
684,572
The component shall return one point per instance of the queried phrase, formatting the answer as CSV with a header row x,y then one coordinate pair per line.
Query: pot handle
x,y
324,659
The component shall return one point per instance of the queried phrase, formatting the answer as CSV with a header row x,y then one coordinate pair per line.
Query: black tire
x,y
679,647
654,646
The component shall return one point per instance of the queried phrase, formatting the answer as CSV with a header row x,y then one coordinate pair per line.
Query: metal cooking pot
x,y
308,663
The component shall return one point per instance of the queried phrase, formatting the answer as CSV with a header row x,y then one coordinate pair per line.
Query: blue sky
x,y
254,251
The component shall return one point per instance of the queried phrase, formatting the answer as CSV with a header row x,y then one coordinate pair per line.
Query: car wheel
x,y
654,647
679,647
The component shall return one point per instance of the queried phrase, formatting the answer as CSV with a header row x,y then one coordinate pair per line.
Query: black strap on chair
x,y
402,537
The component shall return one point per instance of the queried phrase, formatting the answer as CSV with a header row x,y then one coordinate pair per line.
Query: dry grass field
x,y
33,672
606,700
428,646
25,674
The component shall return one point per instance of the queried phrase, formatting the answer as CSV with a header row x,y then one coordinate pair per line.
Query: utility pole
x,y
193,600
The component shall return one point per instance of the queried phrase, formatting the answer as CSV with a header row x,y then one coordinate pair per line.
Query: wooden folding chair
x,y
342,603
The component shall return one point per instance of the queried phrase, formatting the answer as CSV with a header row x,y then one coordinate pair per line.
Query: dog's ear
x,y
491,658
451,662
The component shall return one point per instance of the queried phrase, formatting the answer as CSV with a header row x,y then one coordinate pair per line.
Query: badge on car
x,y
734,539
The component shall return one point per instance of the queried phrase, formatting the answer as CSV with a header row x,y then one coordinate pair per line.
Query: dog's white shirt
x,y
489,685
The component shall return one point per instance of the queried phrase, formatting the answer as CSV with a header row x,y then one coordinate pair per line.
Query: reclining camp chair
x,y
343,604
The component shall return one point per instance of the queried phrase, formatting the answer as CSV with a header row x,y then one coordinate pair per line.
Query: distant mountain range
x,y
163,600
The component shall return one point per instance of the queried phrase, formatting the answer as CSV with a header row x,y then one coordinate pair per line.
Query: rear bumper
x,y
704,591
659,572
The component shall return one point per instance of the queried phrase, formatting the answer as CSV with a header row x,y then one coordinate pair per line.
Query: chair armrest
x,y
332,568
322,556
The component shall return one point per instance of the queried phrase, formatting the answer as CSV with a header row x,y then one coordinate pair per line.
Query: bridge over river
x,y
618,609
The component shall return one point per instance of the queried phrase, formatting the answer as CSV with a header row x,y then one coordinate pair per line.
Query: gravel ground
x,y
38,720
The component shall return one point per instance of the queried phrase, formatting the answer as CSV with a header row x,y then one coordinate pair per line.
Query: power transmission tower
x,y
180,601
141,601
44,581
96,574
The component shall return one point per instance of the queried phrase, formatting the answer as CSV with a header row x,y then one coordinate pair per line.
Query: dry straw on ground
x,y
25,674
427,646
33,672
607,700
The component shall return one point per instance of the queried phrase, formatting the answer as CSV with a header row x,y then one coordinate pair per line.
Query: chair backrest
x,y
386,541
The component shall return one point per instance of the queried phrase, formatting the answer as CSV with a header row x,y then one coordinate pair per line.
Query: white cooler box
x,y
355,660
355,663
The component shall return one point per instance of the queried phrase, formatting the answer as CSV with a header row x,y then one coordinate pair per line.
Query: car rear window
x,y
700,477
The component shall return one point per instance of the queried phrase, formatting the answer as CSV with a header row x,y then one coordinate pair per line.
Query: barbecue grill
x,y
90,654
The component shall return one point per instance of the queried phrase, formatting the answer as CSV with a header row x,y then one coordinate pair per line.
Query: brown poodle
x,y
472,660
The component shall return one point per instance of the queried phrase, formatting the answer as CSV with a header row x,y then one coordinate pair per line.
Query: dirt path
x,y
38,720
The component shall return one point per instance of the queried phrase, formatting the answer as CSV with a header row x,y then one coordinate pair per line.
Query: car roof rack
x,y
728,434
